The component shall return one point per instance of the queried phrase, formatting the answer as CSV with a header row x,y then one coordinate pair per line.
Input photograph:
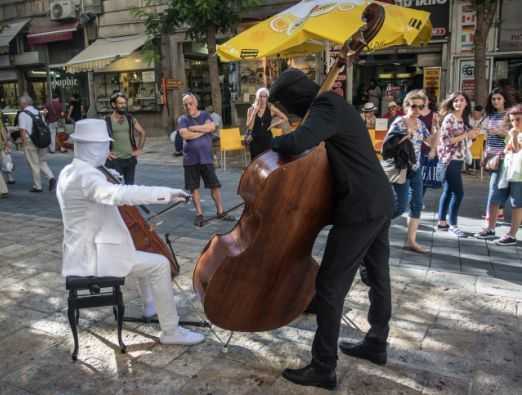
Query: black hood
x,y
295,91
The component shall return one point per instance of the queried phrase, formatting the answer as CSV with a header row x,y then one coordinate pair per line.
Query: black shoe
x,y
373,352
199,221
4,195
52,184
35,190
11,182
311,376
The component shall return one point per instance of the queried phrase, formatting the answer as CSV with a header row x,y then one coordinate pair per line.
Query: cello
x,y
261,275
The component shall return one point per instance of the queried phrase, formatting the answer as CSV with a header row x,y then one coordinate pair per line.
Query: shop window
x,y
138,86
9,95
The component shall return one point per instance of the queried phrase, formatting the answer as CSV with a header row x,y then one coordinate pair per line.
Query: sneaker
x,y
456,231
485,234
182,337
199,220
506,240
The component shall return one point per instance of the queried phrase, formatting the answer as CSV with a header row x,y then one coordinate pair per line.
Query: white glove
x,y
179,195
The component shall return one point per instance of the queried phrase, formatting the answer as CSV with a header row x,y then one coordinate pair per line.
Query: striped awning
x,y
48,31
103,52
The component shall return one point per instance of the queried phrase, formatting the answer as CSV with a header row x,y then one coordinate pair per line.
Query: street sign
x,y
172,84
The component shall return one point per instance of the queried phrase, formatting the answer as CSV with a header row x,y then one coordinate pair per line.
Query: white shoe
x,y
181,336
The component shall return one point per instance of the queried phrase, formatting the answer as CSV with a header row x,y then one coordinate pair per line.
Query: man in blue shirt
x,y
196,128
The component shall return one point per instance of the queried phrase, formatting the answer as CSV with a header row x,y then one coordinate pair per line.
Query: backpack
x,y
41,135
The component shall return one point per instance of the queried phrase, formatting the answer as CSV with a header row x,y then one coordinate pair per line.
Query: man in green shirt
x,y
128,136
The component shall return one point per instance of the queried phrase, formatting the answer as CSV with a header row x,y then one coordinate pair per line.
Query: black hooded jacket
x,y
361,189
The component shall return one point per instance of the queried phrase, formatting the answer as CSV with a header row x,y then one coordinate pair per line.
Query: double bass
x,y
261,275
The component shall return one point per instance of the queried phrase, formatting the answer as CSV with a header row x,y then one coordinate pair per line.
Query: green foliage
x,y
193,15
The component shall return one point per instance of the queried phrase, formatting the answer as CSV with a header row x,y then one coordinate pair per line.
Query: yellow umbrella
x,y
308,25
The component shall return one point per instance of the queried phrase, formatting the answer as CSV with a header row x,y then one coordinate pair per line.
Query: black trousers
x,y
126,167
347,247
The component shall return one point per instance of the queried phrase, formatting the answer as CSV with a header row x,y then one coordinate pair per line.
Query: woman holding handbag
x,y
510,179
408,192
495,126
455,133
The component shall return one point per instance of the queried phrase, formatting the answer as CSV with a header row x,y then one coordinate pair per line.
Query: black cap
x,y
295,91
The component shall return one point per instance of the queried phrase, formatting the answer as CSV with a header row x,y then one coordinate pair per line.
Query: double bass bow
x,y
261,275
142,232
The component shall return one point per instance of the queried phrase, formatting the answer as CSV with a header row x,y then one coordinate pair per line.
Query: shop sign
x,y
439,14
431,81
467,77
172,84
466,28
63,83
510,28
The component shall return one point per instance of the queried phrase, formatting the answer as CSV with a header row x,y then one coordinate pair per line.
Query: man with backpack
x,y
128,138
36,137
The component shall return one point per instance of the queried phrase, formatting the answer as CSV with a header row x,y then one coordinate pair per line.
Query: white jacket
x,y
96,240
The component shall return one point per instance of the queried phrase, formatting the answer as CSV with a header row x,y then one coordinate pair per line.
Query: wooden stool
x,y
95,297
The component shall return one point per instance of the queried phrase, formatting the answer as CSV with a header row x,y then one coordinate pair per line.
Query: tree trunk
x,y
485,13
213,69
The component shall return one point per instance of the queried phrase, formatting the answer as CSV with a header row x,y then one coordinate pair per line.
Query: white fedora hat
x,y
91,131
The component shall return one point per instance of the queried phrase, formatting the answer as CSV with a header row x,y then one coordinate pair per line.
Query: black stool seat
x,y
102,291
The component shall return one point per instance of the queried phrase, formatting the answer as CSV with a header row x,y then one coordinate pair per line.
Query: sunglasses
x,y
418,106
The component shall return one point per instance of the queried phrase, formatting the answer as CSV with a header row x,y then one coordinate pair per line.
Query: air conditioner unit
x,y
63,9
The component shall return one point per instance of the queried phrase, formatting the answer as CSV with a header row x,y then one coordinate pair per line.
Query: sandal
x,y
199,220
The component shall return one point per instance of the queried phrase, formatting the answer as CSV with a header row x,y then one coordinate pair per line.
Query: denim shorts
x,y
513,191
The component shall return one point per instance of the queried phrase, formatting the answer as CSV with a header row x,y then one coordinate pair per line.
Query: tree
x,y
485,11
202,20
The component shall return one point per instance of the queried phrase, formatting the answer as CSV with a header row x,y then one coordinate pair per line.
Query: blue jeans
x,y
409,192
452,193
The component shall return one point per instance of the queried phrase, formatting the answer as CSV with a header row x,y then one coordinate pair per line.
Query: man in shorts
x,y
196,128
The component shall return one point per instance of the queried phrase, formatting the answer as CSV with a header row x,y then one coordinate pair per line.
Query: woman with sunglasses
x,y
495,127
455,134
410,193
510,184
260,123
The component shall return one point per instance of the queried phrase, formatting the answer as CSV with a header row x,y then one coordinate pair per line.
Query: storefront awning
x,y
48,31
103,52
8,31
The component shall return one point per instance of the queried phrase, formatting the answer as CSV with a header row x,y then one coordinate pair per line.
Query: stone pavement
x,y
455,329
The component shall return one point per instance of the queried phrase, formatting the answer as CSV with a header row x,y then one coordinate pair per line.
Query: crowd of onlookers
x,y
425,148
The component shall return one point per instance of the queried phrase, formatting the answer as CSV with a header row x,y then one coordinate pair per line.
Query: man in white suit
x,y
97,241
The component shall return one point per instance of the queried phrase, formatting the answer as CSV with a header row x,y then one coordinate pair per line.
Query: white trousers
x,y
155,285
53,127
37,161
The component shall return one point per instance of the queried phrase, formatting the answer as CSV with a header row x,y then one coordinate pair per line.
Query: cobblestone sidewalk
x,y
452,333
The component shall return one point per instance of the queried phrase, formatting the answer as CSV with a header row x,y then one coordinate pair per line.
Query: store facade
x,y
395,71
504,49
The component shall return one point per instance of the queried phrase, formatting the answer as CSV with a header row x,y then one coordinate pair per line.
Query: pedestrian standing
x,y
410,127
74,113
36,157
455,134
4,150
260,123
128,139
196,128
54,110
7,166
496,128
374,95
368,115
510,184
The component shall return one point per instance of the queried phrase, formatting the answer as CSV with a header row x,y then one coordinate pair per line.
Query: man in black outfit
x,y
363,203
